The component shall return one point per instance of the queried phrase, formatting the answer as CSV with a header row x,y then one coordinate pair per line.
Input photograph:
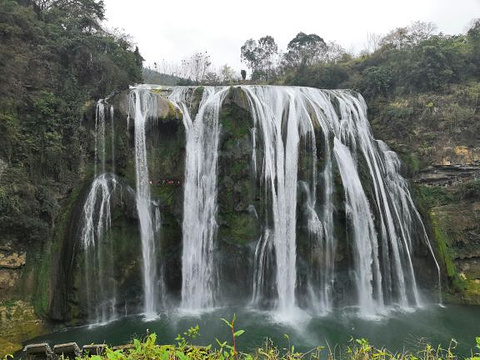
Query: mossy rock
x,y
239,228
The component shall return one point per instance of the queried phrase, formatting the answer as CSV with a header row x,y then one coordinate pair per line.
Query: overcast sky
x,y
173,30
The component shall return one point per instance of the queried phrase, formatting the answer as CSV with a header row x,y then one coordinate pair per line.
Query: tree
x,y
74,15
420,31
196,67
377,81
227,73
373,42
260,57
305,49
473,40
244,74
334,53
404,37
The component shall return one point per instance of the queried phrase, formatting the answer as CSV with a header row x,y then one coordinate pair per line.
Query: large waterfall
x,y
338,225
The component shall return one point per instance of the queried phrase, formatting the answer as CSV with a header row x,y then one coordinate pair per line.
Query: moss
x,y
412,162
471,294
235,122
164,193
446,253
198,92
238,228
43,291
20,324
429,197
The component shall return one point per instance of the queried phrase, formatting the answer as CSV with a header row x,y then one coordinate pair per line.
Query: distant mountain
x,y
154,77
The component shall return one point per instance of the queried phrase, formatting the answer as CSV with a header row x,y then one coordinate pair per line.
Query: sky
x,y
168,31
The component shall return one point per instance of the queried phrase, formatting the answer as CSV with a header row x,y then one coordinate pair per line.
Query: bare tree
x,y
373,42
196,66
227,73
420,31
412,35
334,52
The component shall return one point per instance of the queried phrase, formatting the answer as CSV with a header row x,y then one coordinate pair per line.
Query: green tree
x,y
473,40
305,49
377,80
260,57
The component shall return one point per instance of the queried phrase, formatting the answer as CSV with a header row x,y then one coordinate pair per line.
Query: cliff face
x,y
438,138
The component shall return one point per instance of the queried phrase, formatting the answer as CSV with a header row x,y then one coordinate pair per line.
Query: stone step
x,y
38,351
68,350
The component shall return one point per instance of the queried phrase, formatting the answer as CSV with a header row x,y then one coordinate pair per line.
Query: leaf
x,y
221,344
238,333
181,355
228,323
137,344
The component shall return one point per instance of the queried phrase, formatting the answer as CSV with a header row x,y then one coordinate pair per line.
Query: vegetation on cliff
x,y
56,60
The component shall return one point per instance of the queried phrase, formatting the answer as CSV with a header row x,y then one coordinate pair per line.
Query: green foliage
x,y
304,49
408,60
430,197
259,57
324,76
469,191
377,81
55,62
357,349
445,252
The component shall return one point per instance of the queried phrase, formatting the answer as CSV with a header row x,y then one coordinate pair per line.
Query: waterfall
x,y
324,184
96,239
144,106
378,205
97,244
367,269
199,280
100,148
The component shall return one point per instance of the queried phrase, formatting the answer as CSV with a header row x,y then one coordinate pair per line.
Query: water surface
x,y
400,330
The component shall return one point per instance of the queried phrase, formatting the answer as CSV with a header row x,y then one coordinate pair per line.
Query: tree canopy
x,y
55,59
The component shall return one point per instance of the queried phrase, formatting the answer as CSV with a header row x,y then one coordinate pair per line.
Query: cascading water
x,y
312,153
97,245
383,253
200,196
95,235
144,106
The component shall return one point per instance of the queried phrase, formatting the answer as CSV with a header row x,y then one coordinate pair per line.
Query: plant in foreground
x,y
357,349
